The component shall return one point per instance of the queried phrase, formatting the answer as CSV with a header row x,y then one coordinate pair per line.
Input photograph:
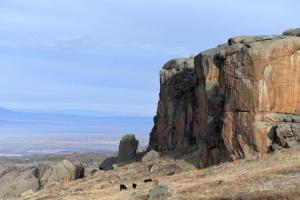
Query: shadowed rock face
x,y
176,123
127,148
234,101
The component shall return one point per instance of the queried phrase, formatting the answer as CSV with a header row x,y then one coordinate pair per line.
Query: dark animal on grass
x,y
123,187
147,180
134,185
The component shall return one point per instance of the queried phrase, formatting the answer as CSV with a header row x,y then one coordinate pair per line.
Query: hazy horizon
x,y
100,60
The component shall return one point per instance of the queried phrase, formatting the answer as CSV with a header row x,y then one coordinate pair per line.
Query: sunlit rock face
x,y
235,101
259,82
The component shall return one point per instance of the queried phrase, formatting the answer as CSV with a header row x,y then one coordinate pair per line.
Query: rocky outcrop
x,y
150,156
127,148
178,122
235,101
108,163
292,32
126,154
17,179
62,172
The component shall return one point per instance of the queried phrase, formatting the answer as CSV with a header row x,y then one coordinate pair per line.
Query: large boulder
x,y
292,32
127,148
17,179
62,172
160,192
108,163
150,156
229,100
127,153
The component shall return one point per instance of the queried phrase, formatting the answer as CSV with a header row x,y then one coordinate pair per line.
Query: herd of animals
x,y
134,185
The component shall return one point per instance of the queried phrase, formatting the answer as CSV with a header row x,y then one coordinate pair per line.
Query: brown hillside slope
x,y
273,176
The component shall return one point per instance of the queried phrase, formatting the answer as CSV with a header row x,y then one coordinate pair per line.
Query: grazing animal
x,y
155,182
134,185
123,187
147,180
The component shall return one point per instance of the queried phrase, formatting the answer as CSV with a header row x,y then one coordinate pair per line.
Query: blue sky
x,y
103,56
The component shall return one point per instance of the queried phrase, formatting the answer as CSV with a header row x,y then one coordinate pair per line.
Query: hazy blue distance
x,y
102,57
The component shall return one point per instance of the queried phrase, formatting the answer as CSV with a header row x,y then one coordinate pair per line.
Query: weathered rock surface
x,y
292,32
159,192
17,179
62,172
108,163
152,155
127,153
234,101
176,123
127,148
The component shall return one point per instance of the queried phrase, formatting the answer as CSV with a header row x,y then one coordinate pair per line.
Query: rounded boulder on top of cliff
x,y
127,148
292,32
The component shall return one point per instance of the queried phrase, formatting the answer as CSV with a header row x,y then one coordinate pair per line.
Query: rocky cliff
x,y
238,100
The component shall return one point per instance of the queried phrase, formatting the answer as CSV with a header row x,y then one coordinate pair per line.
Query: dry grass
x,y
275,176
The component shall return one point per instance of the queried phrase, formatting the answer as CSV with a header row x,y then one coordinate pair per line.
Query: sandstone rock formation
x,y
235,101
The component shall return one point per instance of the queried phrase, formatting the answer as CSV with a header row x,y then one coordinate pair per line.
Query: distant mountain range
x,y
13,123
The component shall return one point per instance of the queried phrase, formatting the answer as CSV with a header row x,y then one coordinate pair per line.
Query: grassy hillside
x,y
274,176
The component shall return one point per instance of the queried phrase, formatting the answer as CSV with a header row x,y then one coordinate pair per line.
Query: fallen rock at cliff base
x,y
108,163
152,155
127,153
127,148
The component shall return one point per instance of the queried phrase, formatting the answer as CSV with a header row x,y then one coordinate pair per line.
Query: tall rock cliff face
x,y
177,124
235,101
